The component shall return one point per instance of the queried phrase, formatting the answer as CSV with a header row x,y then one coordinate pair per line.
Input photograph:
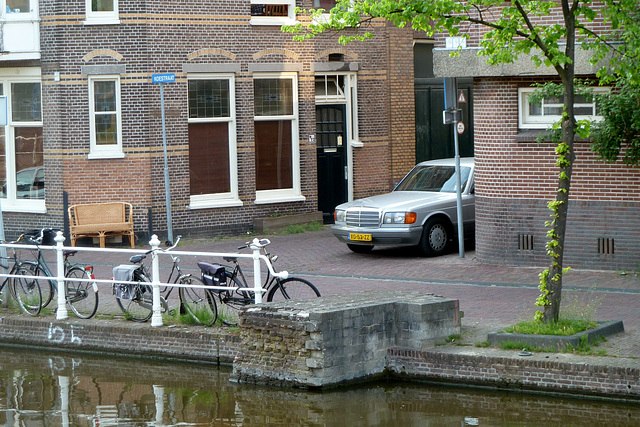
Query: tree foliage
x,y
619,131
549,32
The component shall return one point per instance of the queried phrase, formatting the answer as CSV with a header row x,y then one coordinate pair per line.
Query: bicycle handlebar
x,y
259,243
38,239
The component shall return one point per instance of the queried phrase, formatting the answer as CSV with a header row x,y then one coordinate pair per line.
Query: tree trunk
x,y
565,157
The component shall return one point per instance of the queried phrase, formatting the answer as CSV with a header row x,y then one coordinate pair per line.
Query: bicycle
x,y
136,300
81,292
232,301
30,297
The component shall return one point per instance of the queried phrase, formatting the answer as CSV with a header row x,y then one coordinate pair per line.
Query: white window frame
x,y
275,20
231,198
11,203
286,194
350,99
527,121
113,151
101,18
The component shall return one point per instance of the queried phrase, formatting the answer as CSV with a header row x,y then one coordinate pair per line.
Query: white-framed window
x,y
101,12
105,117
22,175
273,12
340,88
20,35
549,111
277,150
213,162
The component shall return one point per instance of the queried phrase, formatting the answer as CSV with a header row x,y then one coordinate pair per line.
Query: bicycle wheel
x,y
139,307
26,291
198,301
47,285
82,296
231,302
292,288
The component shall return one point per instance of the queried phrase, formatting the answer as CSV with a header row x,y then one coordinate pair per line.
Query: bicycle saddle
x,y
137,258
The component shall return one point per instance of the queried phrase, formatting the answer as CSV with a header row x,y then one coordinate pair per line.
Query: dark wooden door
x,y
331,140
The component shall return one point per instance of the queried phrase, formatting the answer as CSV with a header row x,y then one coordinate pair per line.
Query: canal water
x,y
42,388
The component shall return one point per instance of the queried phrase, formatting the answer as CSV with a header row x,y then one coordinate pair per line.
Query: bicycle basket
x,y
124,272
48,236
213,274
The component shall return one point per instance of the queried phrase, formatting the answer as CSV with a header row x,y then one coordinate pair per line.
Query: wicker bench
x,y
101,220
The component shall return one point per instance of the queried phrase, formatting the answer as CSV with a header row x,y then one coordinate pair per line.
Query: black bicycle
x,y
33,294
136,300
233,301
81,291
25,291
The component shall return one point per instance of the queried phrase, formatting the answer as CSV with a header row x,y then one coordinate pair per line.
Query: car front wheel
x,y
435,238
360,249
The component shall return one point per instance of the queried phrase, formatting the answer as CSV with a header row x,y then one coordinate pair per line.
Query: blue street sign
x,y
163,78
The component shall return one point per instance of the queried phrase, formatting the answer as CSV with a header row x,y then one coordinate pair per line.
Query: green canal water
x,y
41,388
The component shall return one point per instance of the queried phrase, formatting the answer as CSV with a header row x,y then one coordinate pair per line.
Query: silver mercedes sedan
x,y
421,211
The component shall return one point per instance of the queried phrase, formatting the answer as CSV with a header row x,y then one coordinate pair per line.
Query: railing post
x,y
257,277
156,318
61,313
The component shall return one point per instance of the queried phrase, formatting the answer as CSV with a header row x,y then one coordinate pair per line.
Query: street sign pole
x,y
451,105
161,79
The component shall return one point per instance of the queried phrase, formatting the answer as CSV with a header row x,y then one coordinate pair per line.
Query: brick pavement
x,y
490,296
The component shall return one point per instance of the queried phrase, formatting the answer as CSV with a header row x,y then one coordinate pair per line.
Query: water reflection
x,y
55,389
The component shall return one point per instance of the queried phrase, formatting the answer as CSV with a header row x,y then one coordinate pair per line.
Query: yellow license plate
x,y
360,237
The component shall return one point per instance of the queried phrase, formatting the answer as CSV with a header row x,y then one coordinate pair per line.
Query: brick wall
x,y
333,340
153,37
515,180
495,368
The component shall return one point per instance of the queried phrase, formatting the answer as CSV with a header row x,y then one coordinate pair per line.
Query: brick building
x,y
259,125
256,124
516,176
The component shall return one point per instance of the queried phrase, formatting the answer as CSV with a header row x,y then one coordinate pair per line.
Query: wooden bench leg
x,y
132,240
102,240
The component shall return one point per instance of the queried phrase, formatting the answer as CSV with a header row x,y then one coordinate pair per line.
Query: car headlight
x,y
399,218
339,215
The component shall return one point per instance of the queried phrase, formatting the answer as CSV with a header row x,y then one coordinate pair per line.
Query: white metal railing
x,y
156,318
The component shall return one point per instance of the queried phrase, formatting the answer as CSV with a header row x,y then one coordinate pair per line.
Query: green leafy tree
x,y
514,28
619,131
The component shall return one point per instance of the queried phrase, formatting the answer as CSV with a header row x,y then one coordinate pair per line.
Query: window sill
x,y
31,206
101,21
220,203
532,135
277,196
277,21
106,155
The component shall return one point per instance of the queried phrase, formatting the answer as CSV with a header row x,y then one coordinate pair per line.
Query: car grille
x,y
363,217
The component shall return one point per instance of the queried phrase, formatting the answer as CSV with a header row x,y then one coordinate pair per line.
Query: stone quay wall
x,y
338,339
121,337
549,372
333,341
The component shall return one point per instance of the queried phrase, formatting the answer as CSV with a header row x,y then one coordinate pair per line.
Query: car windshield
x,y
433,178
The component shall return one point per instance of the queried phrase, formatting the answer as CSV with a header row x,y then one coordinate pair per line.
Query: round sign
x,y
460,127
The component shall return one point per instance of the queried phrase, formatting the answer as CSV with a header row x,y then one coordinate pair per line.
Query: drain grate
x,y
525,242
606,246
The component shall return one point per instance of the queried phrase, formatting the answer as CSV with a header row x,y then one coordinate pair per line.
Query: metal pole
x,y
257,277
166,168
459,194
156,317
61,313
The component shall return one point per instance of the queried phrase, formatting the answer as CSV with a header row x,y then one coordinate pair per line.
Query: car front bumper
x,y
395,236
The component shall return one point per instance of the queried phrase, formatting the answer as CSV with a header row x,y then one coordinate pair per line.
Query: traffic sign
x,y
460,127
163,78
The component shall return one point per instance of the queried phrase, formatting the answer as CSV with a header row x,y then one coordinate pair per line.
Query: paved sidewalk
x,y
490,296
